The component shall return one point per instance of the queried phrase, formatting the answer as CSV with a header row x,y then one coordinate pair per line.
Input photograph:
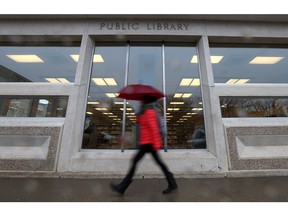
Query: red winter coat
x,y
149,132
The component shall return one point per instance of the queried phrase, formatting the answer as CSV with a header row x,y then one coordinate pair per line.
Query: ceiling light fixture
x,y
92,102
57,80
112,95
25,58
177,103
190,82
265,60
96,58
183,95
237,81
104,81
214,59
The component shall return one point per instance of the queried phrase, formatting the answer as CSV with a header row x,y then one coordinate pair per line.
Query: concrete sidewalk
x,y
256,189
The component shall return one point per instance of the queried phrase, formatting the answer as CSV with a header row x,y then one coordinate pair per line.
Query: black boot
x,y
172,185
121,188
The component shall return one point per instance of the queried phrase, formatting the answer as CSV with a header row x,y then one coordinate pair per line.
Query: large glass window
x,y
241,65
143,63
39,61
241,107
33,106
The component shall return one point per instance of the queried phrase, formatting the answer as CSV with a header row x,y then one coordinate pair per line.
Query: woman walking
x,y
150,141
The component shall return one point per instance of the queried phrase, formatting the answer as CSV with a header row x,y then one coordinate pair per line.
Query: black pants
x,y
143,149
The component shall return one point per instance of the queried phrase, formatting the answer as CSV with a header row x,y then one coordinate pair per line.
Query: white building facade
x,y
61,74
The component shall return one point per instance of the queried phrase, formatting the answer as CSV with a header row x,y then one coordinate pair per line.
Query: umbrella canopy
x,y
137,91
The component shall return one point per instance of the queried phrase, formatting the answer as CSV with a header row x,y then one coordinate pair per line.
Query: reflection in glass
x,y
241,65
104,111
34,106
41,63
185,120
237,107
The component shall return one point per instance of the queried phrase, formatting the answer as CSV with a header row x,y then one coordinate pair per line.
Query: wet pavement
x,y
256,189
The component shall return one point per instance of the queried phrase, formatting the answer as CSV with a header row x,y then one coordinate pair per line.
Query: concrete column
x,y
212,113
74,123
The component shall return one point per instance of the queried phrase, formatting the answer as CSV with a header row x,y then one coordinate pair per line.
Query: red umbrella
x,y
137,91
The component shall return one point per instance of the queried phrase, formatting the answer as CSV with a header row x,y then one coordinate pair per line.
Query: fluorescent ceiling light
x,y
265,60
173,109
110,81
25,58
195,82
237,81
183,95
242,81
57,80
190,82
178,95
75,57
89,113
101,108
97,58
104,81
126,109
194,59
92,102
214,59
62,80
185,82
186,95
52,80
176,102
112,95
99,81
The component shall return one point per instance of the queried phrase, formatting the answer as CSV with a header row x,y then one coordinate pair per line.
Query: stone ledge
x,y
232,174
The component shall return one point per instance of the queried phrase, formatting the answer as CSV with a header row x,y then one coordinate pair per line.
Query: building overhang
x,y
192,17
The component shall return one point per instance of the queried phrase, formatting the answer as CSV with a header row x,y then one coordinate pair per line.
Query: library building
x,y
224,78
